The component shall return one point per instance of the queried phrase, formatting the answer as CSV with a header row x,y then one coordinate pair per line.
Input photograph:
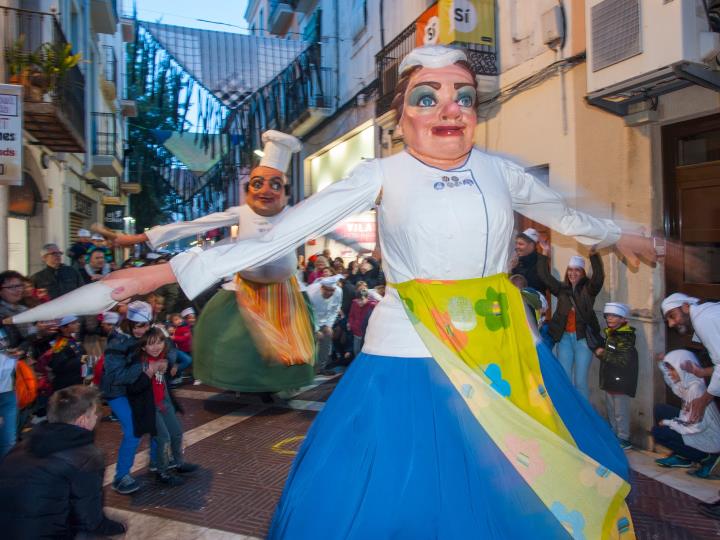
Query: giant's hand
x,y
634,249
99,296
130,282
117,239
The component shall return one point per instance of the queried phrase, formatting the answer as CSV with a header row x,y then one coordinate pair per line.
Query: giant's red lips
x,y
448,131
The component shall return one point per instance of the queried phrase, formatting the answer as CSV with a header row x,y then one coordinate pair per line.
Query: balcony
x,y
108,85
54,116
387,61
105,159
130,188
316,103
280,17
104,16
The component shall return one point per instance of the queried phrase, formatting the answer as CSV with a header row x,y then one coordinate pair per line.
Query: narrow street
x,y
245,449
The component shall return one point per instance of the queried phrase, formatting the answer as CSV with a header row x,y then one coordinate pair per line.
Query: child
x,y
689,442
618,369
67,355
153,409
182,338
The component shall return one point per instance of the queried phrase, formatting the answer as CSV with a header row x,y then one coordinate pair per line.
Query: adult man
x,y
326,299
56,278
529,259
51,483
96,267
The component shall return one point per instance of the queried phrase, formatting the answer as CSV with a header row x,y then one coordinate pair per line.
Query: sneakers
x,y
152,467
110,527
126,485
168,479
185,468
706,467
197,382
625,444
675,462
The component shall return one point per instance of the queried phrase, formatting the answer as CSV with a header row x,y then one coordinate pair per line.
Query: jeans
x,y
324,348
670,439
8,421
618,411
129,443
357,344
574,353
183,360
169,436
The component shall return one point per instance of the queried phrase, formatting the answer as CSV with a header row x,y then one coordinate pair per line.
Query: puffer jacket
x,y
119,370
51,484
619,361
583,294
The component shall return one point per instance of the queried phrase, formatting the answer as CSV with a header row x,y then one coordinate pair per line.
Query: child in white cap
x,y
67,355
618,369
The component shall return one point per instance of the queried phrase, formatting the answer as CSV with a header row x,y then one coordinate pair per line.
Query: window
x,y
358,19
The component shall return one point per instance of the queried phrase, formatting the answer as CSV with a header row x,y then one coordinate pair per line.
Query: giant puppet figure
x,y
256,333
453,422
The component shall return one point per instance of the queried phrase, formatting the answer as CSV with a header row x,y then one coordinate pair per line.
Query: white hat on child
x,y
187,311
139,311
617,308
67,319
110,317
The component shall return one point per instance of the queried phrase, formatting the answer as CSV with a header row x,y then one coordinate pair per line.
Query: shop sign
x,y
362,231
427,27
467,21
11,111
113,216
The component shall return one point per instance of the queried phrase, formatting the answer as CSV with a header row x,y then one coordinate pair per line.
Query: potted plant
x,y
23,69
55,60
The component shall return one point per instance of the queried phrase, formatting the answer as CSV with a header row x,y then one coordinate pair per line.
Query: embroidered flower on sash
x,y
497,383
573,521
525,454
494,309
448,333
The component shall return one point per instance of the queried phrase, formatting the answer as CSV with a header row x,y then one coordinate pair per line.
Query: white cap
x,y
97,236
67,319
531,234
676,300
278,149
617,308
110,317
432,56
187,311
83,233
576,261
330,281
139,311
152,256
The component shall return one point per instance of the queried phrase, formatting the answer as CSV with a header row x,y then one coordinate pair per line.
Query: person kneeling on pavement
x,y
51,483
699,442
153,408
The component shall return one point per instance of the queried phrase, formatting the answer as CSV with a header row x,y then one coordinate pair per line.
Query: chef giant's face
x,y
266,191
438,119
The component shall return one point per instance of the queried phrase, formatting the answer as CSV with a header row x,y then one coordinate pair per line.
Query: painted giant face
x,y
438,119
266,191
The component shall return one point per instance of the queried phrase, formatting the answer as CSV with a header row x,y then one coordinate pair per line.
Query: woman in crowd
x,y
574,326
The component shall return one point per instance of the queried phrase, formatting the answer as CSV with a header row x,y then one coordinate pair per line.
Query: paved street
x,y
246,447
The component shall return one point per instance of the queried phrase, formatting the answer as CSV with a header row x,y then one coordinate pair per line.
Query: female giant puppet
x,y
450,423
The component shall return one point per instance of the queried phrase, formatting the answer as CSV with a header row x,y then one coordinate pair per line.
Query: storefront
x,y
331,164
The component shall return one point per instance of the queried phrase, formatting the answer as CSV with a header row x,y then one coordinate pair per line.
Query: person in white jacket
x,y
689,442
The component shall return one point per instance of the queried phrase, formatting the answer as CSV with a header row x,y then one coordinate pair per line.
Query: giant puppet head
x,y
267,191
435,102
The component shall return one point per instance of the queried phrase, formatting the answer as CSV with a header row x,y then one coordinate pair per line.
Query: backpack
x,y
26,385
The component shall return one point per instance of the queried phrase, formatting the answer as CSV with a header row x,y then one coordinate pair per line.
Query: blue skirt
x,y
396,453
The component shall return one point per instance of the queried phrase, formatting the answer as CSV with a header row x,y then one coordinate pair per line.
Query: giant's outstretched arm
x,y
196,270
537,201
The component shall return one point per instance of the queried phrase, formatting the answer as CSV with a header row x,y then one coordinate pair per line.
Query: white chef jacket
x,y
433,224
706,322
250,225
326,310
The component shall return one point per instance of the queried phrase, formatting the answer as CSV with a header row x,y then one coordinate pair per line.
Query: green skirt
x,y
224,354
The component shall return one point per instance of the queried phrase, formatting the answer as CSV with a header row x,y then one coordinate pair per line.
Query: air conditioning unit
x,y
639,49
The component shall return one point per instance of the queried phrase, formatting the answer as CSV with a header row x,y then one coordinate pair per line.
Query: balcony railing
x,y
56,119
105,135
280,16
482,58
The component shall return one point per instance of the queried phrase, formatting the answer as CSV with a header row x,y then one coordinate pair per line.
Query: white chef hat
x,y
83,233
110,317
531,234
139,311
278,149
67,319
676,300
330,281
576,261
432,56
617,308
187,311
97,236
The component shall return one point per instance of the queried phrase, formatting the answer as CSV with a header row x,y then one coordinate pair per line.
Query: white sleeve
x,y
537,201
196,270
162,234
707,329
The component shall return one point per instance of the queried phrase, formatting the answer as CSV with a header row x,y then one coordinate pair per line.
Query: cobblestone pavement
x,y
245,449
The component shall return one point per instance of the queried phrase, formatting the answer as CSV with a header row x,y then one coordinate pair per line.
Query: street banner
x,y
467,21
11,140
113,217
427,27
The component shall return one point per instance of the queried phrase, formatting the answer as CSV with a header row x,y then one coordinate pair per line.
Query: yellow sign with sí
x,y
467,21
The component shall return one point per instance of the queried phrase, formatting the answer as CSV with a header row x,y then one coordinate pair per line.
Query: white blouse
x,y
433,224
